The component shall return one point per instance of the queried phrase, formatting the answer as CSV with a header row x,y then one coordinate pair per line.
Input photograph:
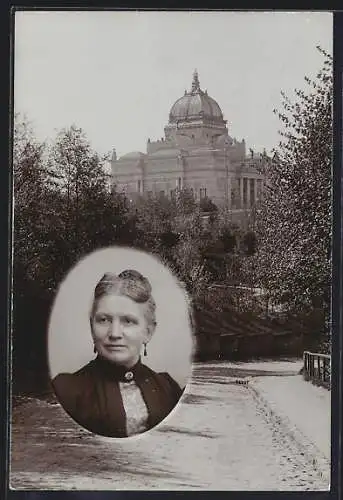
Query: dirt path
x,y
218,438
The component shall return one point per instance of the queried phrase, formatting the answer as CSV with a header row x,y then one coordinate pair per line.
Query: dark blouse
x,y
92,395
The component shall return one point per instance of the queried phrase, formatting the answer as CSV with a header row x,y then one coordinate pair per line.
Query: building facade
x,y
197,153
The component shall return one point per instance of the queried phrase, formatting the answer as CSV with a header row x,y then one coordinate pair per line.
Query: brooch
x,y
128,376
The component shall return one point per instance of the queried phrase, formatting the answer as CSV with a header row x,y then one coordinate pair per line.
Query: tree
x,y
153,214
31,201
249,243
63,210
171,228
88,214
294,223
29,177
184,201
207,205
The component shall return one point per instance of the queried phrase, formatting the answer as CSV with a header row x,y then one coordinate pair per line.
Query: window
x,y
202,193
139,185
179,183
172,194
162,193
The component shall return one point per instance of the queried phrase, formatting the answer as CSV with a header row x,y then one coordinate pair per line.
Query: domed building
x,y
196,152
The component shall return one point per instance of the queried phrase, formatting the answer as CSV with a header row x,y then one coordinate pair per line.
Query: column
x,y
248,192
229,187
255,190
241,192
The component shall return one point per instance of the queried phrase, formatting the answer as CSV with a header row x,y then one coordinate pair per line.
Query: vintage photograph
x,y
172,239
102,380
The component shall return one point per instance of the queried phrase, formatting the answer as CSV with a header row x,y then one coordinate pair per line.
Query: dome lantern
x,y
195,82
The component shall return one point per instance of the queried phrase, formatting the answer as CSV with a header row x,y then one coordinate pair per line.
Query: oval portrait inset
x,y
120,342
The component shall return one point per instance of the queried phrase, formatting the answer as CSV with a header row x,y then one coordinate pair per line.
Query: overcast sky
x,y
117,74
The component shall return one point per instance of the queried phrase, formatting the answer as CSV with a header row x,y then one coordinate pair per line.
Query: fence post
x,y
317,367
319,373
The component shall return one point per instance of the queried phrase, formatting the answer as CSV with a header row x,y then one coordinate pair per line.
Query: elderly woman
x,y
116,395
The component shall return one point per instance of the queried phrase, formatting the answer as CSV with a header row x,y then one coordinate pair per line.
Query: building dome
x,y
166,153
194,105
134,155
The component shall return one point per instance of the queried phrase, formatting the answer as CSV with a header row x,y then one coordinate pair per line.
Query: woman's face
x,y
119,329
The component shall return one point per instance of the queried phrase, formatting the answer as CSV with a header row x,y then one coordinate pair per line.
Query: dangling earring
x,y
145,353
94,349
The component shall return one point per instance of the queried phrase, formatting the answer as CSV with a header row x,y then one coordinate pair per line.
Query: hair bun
x,y
132,274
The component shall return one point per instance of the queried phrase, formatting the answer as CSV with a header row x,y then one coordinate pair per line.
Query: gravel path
x,y
221,437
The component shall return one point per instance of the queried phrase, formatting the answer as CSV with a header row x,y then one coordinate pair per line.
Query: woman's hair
x,y
129,283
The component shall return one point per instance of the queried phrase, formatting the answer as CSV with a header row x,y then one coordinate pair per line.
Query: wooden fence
x,y
317,368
